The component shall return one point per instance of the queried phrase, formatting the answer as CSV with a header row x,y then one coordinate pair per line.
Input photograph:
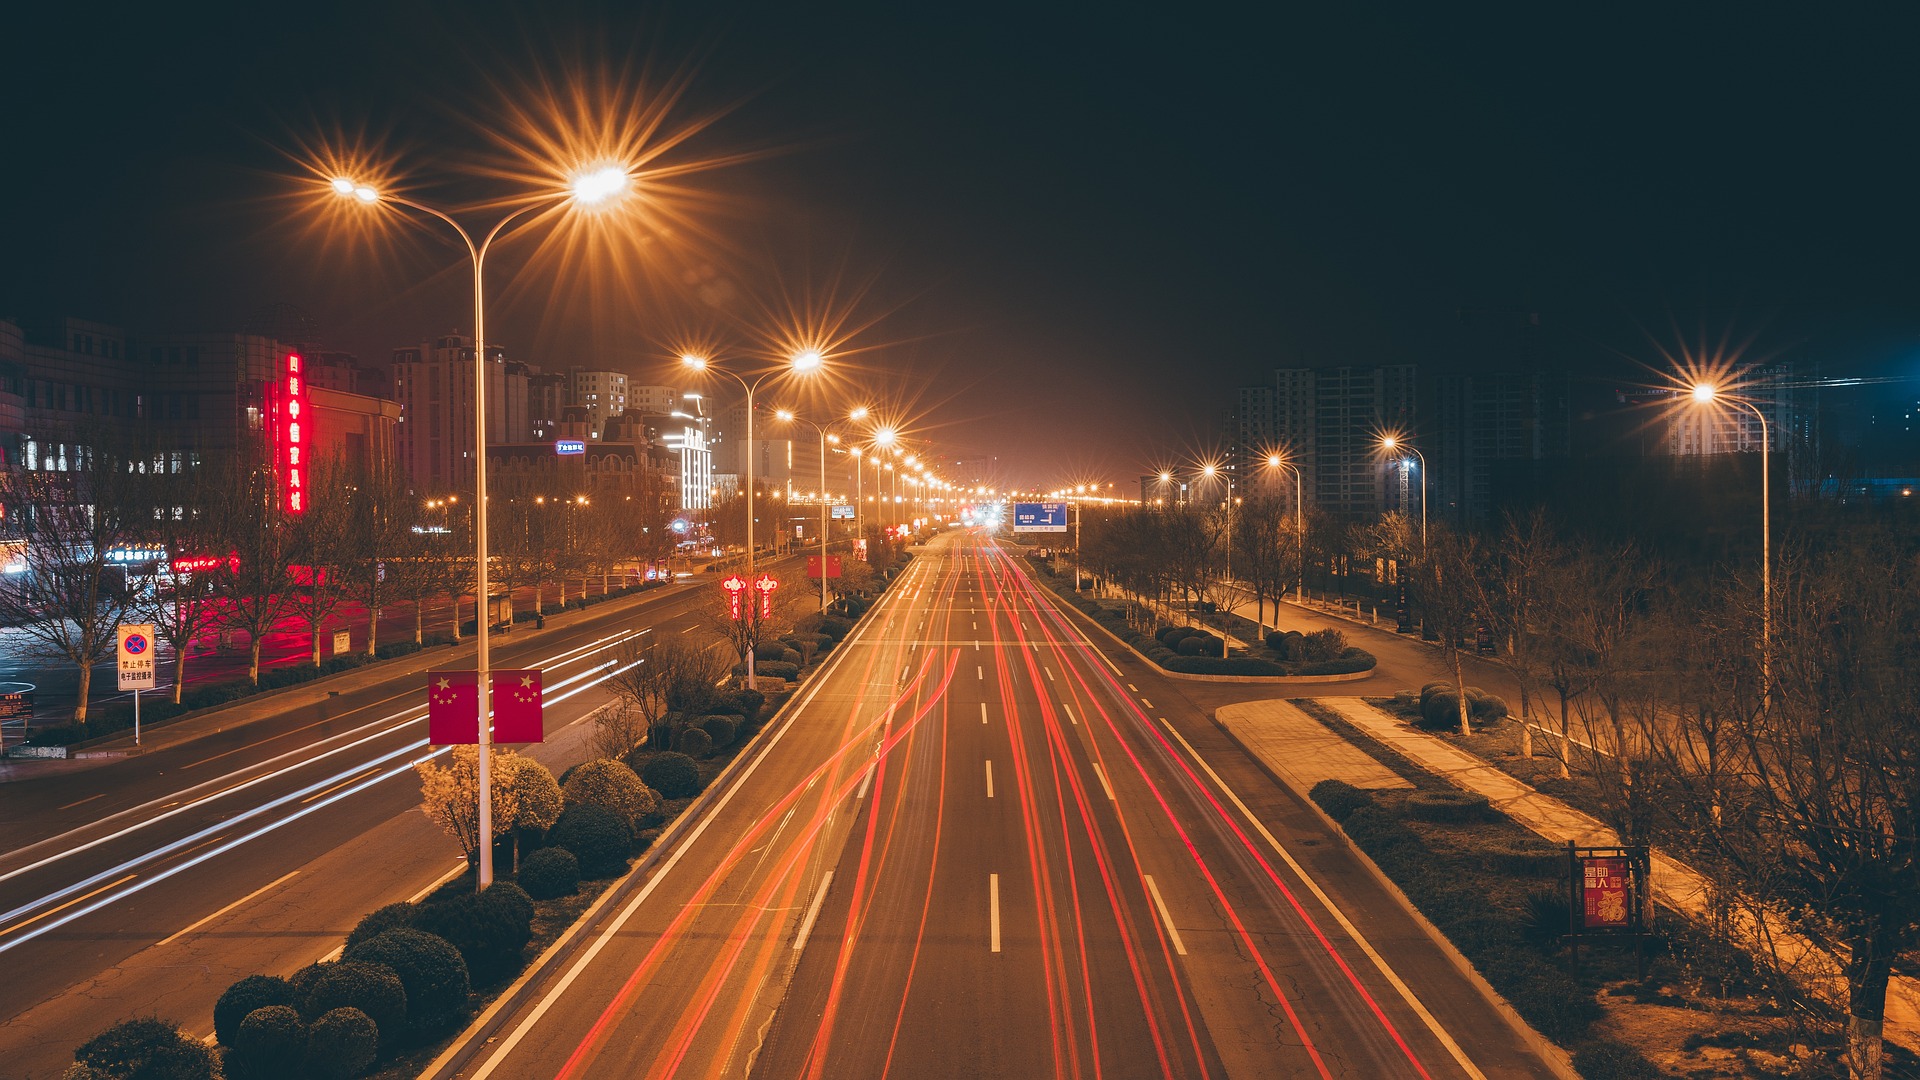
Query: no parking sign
x,y
136,656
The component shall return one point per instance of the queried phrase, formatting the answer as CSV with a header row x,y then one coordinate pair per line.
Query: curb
x,y
1556,1058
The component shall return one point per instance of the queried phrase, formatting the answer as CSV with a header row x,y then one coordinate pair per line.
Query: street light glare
x,y
1704,392
808,360
1389,442
783,414
342,186
858,414
366,194
595,186
697,363
1273,461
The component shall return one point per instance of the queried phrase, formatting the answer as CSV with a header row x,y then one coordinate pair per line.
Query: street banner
x,y
860,549
813,566
453,708
1605,893
135,654
766,583
516,706
736,587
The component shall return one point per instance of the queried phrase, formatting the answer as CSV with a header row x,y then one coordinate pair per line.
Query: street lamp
x,y
1704,394
787,416
1277,461
1393,444
800,363
595,186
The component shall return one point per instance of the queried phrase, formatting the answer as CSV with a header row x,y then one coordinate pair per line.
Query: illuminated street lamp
x,y
800,363
1279,461
787,416
590,187
1706,394
1393,444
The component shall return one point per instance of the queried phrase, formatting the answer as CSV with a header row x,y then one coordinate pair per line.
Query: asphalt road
x,y
979,845
148,884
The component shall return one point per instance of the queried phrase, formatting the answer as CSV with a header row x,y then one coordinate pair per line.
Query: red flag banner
x,y
453,708
516,706
813,566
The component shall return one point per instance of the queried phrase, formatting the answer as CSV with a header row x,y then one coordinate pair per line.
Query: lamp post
x,y
592,187
1707,394
1276,461
822,430
1393,444
800,363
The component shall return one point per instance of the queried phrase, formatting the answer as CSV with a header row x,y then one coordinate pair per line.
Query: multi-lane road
x,y
149,884
981,845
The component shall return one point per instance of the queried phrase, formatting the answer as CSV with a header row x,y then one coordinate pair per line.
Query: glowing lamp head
x,y
1704,393
858,414
885,436
1210,471
783,415
341,186
697,363
1273,461
595,187
808,360
1388,442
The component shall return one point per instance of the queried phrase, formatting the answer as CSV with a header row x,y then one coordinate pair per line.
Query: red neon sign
x,y
766,584
735,585
295,429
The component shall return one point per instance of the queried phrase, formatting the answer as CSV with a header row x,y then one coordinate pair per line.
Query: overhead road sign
x,y
1049,517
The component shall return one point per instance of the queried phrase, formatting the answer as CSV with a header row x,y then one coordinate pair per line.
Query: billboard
x,y
842,512
1048,517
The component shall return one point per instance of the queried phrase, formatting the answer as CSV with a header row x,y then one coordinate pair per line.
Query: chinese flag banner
x,y
516,706
453,708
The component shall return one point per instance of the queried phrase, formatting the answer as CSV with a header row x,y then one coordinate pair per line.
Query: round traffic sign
x,y
136,644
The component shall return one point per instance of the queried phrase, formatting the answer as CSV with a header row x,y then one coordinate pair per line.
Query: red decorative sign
x,y
813,566
735,586
453,707
766,584
516,706
295,435
193,564
1605,888
860,549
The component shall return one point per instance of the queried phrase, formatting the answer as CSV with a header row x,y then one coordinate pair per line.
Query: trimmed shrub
x,y
1172,636
269,1045
148,1048
382,920
1277,641
1353,660
373,989
772,669
549,872
491,929
250,993
1440,711
1160,654
613,787
1218,665
1325,644
1160,633
745,704
1448,806
1485,708
770,651
600,840
722,729
1339,798
835,628
674,776
1548,998
431,970
1431,689
693,742
1614,1061
1198,645
341,1044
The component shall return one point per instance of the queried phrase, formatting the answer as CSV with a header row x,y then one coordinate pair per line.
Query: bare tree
x,y
258,589
655,679
71,594
183,603
382,519
1523,563
755,626
1447,576
328,545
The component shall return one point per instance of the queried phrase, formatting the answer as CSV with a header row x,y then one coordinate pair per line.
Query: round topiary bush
x,y
341,1044
1198,645
146,1047
745,704
431,970
769,651
600,840
549,872
721,729
250,993
1441,711
381,920
693,742
1448,806
373,989
1485,708
491,929
613,787
268,1045
1431,689
674,776
1172,636
776,669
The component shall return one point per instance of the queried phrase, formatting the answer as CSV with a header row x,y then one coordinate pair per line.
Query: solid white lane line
x,y
1104,786
993,910
864,781
983,712
813,912
1173,932
1353,932
178,934
989,779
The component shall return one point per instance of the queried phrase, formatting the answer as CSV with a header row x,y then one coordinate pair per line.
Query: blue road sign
x,y
1040,517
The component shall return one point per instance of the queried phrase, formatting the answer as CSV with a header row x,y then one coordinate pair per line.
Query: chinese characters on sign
x,y
1604,887
295,426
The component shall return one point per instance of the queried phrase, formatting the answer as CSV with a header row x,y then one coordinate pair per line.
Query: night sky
x,y
1063,234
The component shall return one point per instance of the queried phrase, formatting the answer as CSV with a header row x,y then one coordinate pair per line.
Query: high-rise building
x,y
546,400
1486,428
652,399
602,393
433,384
1327,422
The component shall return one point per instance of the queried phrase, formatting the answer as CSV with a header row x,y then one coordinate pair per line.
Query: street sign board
x,y
135,653
813,566
842,512
342,643
1048,517
569,446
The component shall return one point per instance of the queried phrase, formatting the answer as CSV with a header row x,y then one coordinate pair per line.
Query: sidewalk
x,y
212,721
1675,884
1299,750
